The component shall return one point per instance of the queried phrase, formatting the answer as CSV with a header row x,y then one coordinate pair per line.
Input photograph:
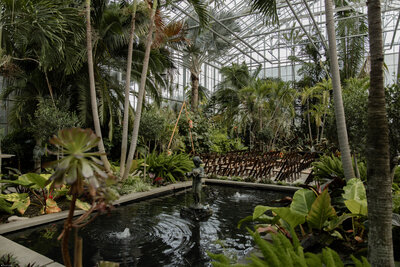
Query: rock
x,y
16,218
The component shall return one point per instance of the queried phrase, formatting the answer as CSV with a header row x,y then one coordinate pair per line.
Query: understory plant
x,y
82,170
312,215
40,192
133,184
330,167
170,168
289,253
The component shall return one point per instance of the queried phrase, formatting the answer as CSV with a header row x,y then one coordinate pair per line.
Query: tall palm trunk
x,y
322,127
124,145
309,122
194,77
136,124
93,98
337,94
379,192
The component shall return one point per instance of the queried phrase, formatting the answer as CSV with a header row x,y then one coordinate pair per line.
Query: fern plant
x,y
282,252
331,167
171,168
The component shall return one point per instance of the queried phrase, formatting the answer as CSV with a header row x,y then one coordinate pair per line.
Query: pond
x,y
152,233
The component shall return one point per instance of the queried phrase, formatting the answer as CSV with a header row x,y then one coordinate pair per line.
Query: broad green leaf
x,y
302,201
26,182
260,210
357,206
337,221
36,179
80,204
337,235
354,190
22,204
13,197
320,211
51,206
293,218
5,206
83,205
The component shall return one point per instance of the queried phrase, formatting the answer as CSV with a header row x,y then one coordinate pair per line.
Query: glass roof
x,y
271,45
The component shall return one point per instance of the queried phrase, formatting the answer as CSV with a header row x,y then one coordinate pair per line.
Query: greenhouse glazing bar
x,y
219,35
325,45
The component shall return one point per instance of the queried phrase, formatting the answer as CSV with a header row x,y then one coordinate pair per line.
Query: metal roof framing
x,y
262,44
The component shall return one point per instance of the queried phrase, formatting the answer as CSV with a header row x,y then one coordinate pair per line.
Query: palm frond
x,y
267,8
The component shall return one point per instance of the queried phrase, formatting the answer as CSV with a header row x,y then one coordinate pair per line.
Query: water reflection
x,y
152,233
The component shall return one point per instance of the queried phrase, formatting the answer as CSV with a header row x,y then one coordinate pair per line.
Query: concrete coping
x,y
274,187
25,255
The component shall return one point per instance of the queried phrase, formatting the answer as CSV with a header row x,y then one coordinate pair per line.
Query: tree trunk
x,y
37,156
93,98
124,145
309,122
195,90
136,124
67,229
337,94
379,190
322,128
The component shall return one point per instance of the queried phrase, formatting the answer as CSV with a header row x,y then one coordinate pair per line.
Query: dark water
x,y
151,233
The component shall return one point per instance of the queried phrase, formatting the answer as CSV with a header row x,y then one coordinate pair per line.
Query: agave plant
x,y
79,163
79,166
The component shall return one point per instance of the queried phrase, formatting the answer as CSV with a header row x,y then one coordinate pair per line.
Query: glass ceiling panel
x,y
258,43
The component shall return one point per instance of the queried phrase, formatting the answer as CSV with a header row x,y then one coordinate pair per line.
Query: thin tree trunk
x,y
67,229
195,90
93,98
337,94
124,145
322,128
78,249
37,158
379,190
136,124
309,122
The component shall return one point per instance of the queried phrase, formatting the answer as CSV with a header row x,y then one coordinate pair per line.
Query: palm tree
x,y
226,100
204,45
379,194
337,94
135,131
124,144
351,50
93,98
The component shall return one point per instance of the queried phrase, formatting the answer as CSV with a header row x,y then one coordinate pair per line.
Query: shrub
x,y
330,167
133,184
169,167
